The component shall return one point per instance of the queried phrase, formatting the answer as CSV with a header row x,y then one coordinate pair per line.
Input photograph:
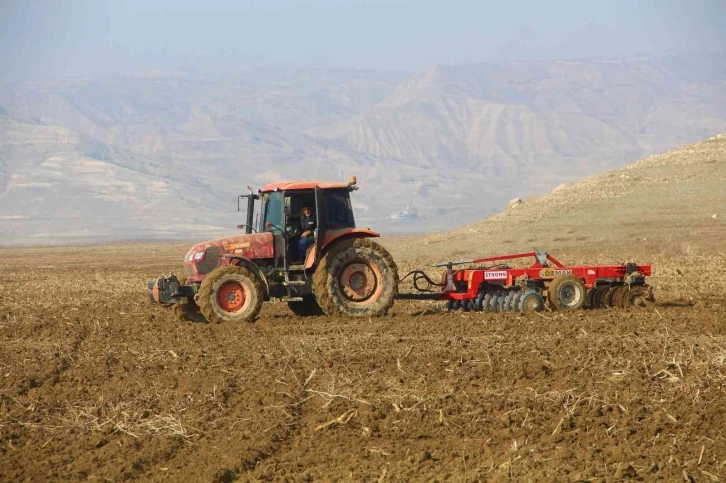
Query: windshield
x,y
272,203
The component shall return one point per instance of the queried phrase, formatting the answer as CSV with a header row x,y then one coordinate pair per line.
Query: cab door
x,y
321,206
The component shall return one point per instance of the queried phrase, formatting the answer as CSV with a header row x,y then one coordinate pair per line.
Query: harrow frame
x,y
466,288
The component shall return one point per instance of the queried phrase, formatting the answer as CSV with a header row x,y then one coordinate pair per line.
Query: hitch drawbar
x,y
168,290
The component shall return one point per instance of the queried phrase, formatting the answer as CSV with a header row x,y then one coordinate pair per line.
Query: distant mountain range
x,y
163,155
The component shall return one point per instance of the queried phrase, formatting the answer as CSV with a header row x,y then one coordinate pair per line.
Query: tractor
x,y
344,272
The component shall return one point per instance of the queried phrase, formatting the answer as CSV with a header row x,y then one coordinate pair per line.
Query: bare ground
x,y
97,384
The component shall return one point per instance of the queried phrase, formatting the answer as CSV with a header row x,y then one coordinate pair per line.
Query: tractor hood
x,y
205,257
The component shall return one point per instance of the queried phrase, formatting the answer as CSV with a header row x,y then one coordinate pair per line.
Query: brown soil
x,y
97,384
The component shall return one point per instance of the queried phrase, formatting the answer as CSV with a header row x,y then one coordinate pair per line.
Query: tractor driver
x,y
307,225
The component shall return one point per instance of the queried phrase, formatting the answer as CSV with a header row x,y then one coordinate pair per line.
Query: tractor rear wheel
x,y
566,292
356,277
306,307
230,294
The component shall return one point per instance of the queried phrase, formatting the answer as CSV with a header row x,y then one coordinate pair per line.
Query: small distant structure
x,y
406,214
514,203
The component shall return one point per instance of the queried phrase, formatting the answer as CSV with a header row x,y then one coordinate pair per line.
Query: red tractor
x,y
343,272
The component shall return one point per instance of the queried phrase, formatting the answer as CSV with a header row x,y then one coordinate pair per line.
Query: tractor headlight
x,y
198,257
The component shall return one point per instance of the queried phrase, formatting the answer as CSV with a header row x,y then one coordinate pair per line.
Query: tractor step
x,y
292,299
295,282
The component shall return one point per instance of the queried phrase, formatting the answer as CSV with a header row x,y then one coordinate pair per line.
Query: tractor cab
x,y
280,213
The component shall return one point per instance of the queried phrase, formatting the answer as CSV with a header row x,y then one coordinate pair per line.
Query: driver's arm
x,y
308,230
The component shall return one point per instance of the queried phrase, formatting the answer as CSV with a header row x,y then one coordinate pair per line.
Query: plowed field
x,y
97,384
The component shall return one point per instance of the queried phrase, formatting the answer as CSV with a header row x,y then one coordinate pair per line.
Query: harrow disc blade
x,y
479,301
598,299
514,301
506,301
487,303
494,303
639,296
501,306
609,296
619,296
590,304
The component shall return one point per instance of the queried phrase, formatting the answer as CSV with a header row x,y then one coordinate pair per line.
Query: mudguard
x,y
334,235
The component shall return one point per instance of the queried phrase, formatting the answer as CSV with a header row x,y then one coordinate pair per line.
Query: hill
x,y
667,210
164,154
671,201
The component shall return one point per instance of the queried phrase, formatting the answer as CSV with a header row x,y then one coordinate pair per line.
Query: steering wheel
x,y
292,230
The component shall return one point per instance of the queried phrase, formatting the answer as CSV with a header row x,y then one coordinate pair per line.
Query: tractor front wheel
x,y
230,294
357,278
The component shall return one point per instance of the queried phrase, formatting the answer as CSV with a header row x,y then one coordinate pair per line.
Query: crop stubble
x,y
97,383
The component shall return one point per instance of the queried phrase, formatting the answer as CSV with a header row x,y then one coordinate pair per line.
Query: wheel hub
x,y
568,295
358,281
231,297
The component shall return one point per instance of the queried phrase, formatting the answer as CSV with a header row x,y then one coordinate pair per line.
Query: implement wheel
x,y
531,302
230,294
356,277
567,292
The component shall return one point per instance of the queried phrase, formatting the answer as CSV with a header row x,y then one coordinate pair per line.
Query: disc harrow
x,y
546,284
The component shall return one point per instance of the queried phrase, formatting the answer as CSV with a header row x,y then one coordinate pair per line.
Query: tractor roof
x,y
302,185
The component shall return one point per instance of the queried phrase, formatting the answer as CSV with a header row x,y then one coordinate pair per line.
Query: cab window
x,y
273,211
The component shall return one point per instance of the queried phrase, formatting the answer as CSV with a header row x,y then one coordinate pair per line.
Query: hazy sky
x,y
56,38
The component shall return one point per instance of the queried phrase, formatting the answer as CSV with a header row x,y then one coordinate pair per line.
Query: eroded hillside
x,y
164,155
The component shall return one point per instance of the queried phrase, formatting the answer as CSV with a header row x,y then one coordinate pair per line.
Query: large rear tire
x,y
356,277
230,294
566,292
